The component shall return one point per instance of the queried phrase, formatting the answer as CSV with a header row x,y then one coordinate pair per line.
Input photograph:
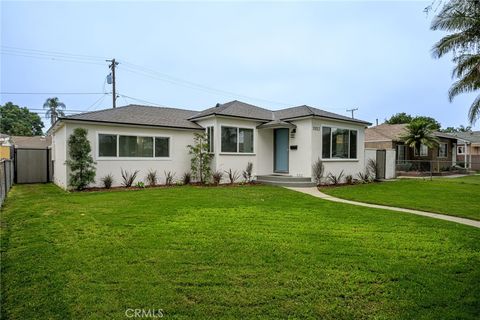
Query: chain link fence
x,y
6,178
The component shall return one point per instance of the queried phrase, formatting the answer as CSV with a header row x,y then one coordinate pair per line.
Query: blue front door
x,y
280,137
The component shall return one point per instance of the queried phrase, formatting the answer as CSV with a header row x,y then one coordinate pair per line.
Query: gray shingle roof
x,y
473,136
244,110
180,118
141,115
237,108
302,111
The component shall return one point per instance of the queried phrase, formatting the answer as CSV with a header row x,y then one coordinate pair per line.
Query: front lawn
x,y
453,196
229,252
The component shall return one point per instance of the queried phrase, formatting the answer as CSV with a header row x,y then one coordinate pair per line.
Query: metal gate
x,y
381,163
32,165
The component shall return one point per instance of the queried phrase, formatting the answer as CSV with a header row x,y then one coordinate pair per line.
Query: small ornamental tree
x,y
82,169
201,158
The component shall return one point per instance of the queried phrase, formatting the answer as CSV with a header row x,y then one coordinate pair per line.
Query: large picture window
x,y
113,145
339,143
237,140
107,145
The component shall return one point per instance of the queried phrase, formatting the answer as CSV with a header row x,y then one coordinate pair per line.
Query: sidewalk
x,y
313,191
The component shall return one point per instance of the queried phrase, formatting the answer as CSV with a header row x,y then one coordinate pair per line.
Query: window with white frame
x,y
210,139
339,143
237,140
442,150
423,151
460,149
126,146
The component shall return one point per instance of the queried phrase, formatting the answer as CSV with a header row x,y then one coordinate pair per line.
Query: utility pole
x,y
352,111
114,93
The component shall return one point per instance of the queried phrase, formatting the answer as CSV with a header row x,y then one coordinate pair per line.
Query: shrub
x,y
349,179
232,175
187,178
140,184
372,168
128,178
169,177
152,178
107,181
364,177
247,173
82,169
335,179
201,157
318,170
217,177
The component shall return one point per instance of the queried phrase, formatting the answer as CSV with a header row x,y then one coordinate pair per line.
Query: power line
x,y
140,100
58,53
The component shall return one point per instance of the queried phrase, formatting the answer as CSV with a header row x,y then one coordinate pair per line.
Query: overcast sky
x,y
374,56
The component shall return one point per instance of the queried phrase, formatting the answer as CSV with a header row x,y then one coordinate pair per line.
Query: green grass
x,y
452,196
229,252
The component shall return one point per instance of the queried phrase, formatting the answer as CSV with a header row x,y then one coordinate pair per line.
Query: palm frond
x,y
455,16
465,63
469,82
474,112
457,41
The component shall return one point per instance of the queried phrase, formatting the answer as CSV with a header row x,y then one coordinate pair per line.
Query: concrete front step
x,y
286,181
283,178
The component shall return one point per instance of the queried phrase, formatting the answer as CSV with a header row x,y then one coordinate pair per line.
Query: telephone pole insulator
x,y
112,66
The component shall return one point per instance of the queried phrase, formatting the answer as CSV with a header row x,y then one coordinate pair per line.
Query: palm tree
x,y
461,18
54,107
418,133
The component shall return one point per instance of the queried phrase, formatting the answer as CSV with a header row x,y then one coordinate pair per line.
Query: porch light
x,y
292,133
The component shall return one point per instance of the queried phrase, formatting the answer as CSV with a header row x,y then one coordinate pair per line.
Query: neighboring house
x,y
5,146
387,136
284,142
31,142
468,148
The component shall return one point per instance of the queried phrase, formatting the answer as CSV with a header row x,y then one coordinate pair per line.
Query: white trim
x,y
118,158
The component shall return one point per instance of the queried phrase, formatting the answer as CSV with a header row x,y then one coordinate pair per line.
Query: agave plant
x,y
128,177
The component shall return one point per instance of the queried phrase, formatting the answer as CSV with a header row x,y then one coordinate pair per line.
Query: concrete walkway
x,y
313,191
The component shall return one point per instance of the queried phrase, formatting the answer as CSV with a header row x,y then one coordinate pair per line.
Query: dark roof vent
x,y
217,105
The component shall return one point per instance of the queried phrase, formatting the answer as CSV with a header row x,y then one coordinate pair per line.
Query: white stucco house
x,y
282,144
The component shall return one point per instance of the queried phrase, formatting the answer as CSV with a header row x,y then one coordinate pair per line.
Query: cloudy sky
x,y
374,56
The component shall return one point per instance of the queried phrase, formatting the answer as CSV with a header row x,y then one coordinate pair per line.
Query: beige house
x,y
387,137
468,149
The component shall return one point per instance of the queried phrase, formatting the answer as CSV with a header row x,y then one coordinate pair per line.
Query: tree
x,y
201,158
461,19
399,118
19,121
54,106
403,117
82,169
458,129
419,132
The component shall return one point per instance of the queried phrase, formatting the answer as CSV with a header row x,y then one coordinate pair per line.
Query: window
x,y
162,147
339,143
461,150
237,140
210,139
113,145
401,153
107,145
133,146
442,150
326,142
245,140
423,151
